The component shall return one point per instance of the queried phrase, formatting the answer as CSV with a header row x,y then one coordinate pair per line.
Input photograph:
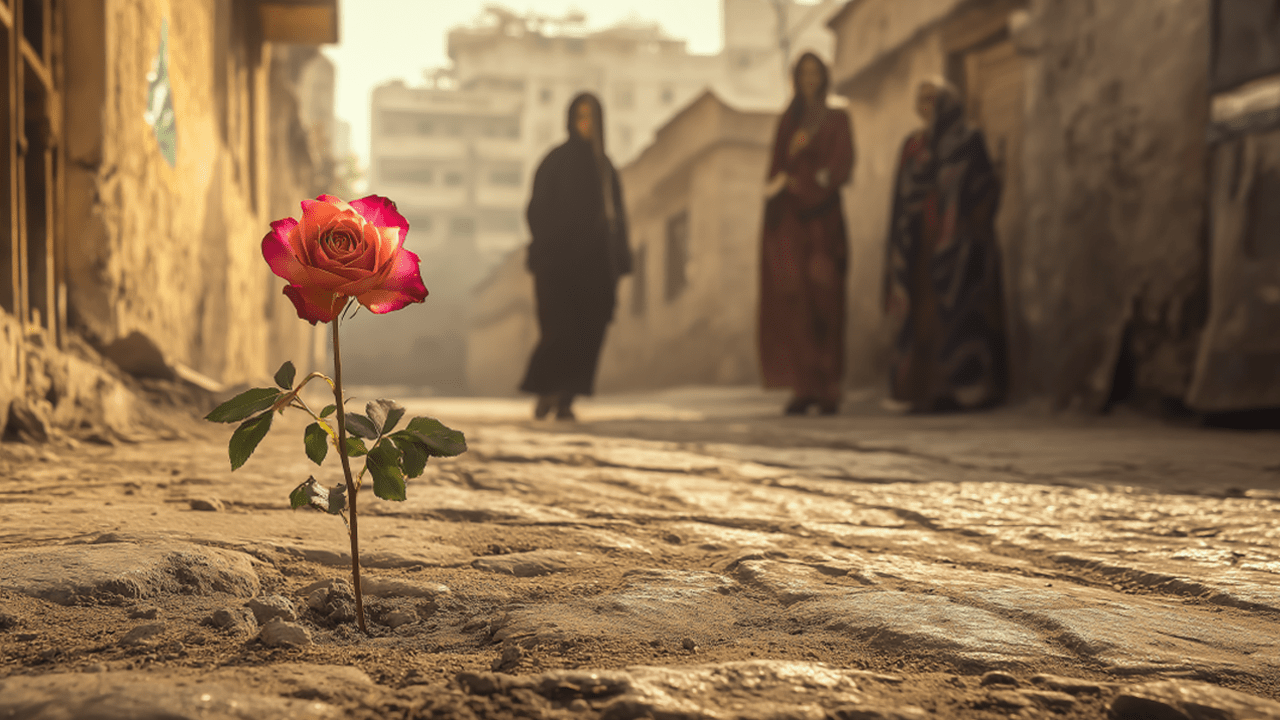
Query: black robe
x,y
576,257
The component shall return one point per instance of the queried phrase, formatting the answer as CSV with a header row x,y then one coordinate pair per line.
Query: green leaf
x,y
361,426
356,448
249,402
316,441
384,414
300,496
246,438
437,439
413,458
383,464
328,410
284,376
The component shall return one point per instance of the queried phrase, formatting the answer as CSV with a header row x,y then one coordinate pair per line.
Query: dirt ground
x,y
521,601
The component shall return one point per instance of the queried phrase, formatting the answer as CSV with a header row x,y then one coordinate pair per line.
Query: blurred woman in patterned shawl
x,y
804,248
942,285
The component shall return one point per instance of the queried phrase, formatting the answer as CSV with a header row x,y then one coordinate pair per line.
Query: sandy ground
x,y
679,555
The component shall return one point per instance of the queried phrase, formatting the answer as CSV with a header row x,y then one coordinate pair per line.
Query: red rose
x,y
344,250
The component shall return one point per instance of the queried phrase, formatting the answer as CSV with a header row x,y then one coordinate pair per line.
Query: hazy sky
x,y
386,39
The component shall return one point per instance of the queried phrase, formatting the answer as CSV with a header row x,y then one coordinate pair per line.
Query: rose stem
x,y
351,484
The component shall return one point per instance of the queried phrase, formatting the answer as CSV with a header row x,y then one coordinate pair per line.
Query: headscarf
x,y
597,149
807,117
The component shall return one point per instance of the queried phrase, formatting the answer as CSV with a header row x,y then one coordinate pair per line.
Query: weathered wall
x,y
1114,169
882,108
705,335
174,252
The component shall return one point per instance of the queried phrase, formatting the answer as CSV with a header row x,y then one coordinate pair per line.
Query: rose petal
x,y
278,250
316,305
383,213
401,286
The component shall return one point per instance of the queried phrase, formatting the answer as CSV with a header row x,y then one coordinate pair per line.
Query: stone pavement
x,y
683,554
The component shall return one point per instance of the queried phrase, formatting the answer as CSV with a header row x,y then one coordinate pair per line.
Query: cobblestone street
x,y
680,555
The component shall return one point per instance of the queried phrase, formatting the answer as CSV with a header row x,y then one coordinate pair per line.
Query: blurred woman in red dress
x,y
804,248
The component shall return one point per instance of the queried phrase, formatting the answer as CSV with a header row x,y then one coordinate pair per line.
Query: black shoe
x,y
799,406
543,407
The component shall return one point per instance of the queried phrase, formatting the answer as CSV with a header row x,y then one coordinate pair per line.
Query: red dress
x,y
804,260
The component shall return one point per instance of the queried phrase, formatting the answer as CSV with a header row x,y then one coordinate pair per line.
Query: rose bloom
x,y
343,250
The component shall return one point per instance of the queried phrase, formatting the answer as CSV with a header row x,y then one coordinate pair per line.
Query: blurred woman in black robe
x,y
578,252
942,286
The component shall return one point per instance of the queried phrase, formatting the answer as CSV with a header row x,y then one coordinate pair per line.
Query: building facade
x,y
1136,264
138,218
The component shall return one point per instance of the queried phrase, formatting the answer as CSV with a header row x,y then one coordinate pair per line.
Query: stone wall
x,y
174,252
1114,165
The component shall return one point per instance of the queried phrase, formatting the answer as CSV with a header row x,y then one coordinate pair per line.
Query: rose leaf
x,y
246,438
361,426
383,464
384,414
413,458
316,441
250,402
437,439
355,447
284,376
328,410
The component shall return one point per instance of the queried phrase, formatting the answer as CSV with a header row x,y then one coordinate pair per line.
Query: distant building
x,y
505,99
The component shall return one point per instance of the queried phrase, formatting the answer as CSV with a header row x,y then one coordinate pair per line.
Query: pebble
x,y
280,633
689,644
1073,686
237,620
144,613
396,618
995,677
207,504
8,621
268,607
143,635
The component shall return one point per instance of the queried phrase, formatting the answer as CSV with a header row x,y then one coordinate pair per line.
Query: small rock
x,y
269,607
995,677
511,657
1009,699
96,668
280,633
318,599
207,504
579,705
396,587
1050,698
144,613
689,644
237,620
1073,686
1178,699
143,635
7,621
396,618
26,637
